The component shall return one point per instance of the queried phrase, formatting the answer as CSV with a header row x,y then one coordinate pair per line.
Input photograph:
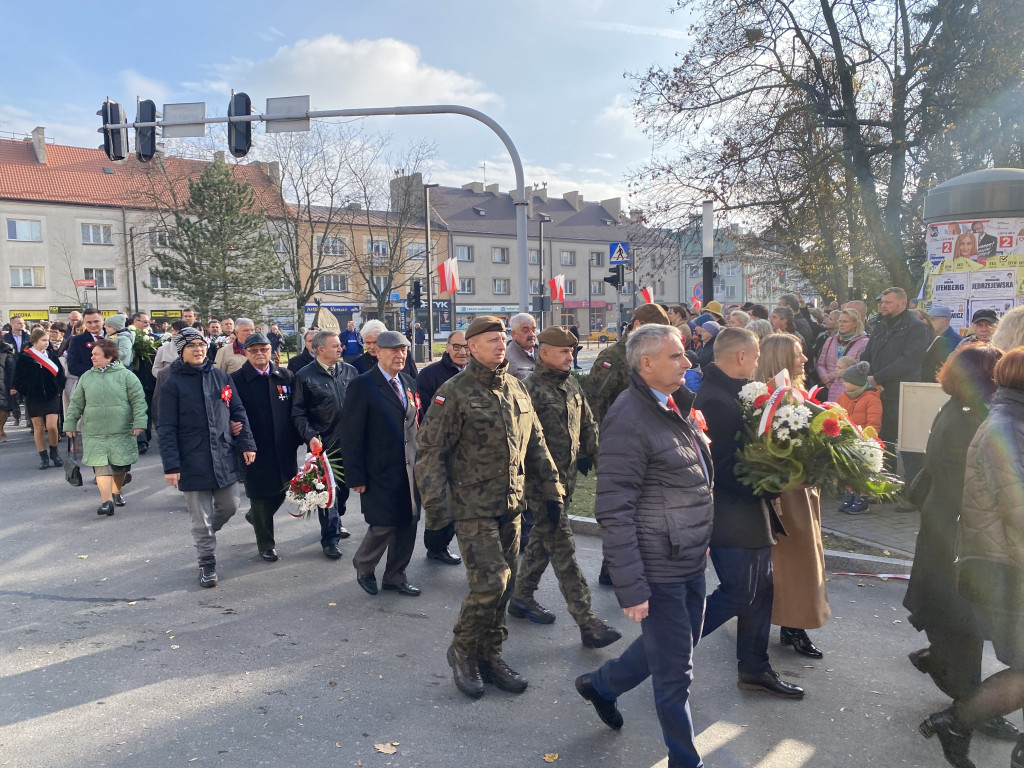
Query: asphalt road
x,y
112,655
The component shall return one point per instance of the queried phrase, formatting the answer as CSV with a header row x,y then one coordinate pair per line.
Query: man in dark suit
x,y
745,525
265,390
378,446
18,338
987,243
454,359
305,357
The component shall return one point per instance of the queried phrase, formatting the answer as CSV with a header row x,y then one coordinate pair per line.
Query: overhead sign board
x,y
618,253
287,105
190,115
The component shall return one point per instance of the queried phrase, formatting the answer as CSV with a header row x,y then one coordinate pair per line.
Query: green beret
x,y
557,337
484,324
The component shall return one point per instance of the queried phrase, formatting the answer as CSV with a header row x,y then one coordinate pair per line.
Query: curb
x,y
834,561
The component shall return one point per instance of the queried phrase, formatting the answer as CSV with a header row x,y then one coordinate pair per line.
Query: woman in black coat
x,y
39,378
954,657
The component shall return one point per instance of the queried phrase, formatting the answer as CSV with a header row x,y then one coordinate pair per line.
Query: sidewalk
x,y
882,527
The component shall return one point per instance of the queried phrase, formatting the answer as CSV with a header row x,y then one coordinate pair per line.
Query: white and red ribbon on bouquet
x,y
780,386
317,459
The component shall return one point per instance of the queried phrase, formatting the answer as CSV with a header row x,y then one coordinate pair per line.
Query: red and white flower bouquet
x,y
314,486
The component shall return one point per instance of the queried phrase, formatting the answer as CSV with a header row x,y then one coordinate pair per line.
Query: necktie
x,y
398,390
673,406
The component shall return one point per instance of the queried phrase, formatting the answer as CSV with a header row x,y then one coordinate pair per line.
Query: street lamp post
x,y
430,301
542,219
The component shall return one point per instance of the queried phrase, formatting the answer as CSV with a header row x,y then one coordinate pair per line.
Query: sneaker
x,y
847,502
207,573
860,506
530,609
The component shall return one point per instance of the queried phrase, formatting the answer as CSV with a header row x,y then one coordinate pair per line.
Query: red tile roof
x,y
77,175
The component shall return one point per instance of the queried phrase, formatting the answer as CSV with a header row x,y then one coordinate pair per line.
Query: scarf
x,y
843,341
43,360
857,392
238,348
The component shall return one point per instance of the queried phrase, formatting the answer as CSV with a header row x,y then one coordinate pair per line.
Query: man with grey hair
x,y
370,331
655,541
317,402
231,357
521,350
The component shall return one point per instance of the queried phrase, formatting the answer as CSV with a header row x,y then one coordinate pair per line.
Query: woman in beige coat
x,y
798,560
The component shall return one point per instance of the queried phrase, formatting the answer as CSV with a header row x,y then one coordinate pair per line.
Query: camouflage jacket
x,y
478,438
569,427
607,379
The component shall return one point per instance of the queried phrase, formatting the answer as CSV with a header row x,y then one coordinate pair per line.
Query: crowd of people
x,y
487,445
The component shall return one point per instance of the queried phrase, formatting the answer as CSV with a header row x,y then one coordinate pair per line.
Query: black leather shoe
x,y
343,533
444,556
501,675
921,659
143,448
800,641
332,552
466,673
606,709
106,508
368,583
954,737
118,499
270,555
999,728
530,609
405,588
769,682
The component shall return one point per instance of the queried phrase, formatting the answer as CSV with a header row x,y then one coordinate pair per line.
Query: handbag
x,y
72,469
994,585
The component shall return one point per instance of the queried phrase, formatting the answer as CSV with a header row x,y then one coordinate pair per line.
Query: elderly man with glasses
x,y
231,357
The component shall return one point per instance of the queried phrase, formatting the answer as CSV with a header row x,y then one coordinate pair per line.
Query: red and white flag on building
x,y
648,295
557,285
448,276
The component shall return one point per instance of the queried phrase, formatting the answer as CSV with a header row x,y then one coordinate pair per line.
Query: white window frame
x,y
32,230
157,238
328,280
499,255
104,277
97,234
731,269
597,287
463,251
158,284
467,285
501,282
695,270
534,286
627,288
597,258
568,258
36,277
570,287
416,251
332,246
380,282
533,257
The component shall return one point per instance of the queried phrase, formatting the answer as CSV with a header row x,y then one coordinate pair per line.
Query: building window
x,y
499,255
159,283
379,251
534,256
597,258
627,288
417,251
96,234
570,287
467,285
730,292
381,283
104,277
463,252
597,287
284,244
695,270
732,269
28,231
27,277
501,287
568,258
333,283
157,238
660,288
534,287
332,246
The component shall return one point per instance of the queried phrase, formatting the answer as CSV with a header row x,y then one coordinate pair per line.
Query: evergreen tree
x,y
219,254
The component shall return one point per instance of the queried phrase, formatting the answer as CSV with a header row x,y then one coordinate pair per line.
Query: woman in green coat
x,y
112,406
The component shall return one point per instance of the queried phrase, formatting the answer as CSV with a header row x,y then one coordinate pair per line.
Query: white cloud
x,y
619,116
604,155
136,85
77,126
338,74
636,29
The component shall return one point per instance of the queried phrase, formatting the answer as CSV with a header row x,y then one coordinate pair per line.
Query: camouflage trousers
x,y
489,547
554,544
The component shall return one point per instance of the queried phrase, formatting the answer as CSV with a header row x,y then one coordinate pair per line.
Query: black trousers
x,y
439,540
261,517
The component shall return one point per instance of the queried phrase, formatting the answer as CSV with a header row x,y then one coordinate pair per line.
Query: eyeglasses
x,y
196,345
461,347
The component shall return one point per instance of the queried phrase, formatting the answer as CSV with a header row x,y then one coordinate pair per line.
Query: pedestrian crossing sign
x,y
618,253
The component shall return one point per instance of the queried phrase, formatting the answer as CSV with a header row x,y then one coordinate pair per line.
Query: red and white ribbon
x,y
43,360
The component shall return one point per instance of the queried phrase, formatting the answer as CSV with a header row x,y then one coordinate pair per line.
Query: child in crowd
x,y
864,407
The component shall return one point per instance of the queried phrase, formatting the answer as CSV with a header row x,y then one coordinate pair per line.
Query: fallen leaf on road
x,y
175,647
332,605
83,557
897,621
131,603
385,749
332,683
337,744
550,757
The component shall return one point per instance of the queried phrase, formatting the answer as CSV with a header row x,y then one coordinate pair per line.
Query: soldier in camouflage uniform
x,y
477,439
571,435
609,377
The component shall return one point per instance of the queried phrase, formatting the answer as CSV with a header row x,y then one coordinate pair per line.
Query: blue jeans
x,y
330,518
745,590
664,653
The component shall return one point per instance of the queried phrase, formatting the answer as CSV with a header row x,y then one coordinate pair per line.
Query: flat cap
x,y
255,339
391,340
651,313
940,311
484,324
556,337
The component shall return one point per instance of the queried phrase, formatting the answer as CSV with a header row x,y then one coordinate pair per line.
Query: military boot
x,y
597,634
208,572
499,673
466,673
530,609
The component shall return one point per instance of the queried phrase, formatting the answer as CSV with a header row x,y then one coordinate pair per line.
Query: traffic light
x,y
239,134
616,276
145,138
414,297
115,140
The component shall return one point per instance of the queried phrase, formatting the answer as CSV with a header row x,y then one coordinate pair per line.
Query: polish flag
x,y
648,295
557,285
695,302
448,276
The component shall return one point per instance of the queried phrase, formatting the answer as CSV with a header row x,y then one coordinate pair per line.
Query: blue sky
x,y
549,71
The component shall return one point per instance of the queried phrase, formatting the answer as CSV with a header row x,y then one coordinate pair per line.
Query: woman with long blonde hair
x,y
798,560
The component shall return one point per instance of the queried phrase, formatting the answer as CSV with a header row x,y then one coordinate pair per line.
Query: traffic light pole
x,y
112,129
